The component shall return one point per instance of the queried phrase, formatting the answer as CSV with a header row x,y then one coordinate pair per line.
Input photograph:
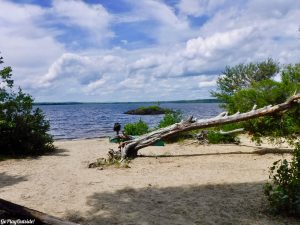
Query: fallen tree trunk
x,y
131,147
11,213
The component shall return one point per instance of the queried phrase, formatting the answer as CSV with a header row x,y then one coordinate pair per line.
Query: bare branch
x,y
131,147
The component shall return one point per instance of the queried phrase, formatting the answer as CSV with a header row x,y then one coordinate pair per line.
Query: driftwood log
x,y
11,212
131,147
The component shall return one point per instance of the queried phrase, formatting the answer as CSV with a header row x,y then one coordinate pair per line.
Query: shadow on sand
x,y
8,180
208,204
259,151
55,152
58,152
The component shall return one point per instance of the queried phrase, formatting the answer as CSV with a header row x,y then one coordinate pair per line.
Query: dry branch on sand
x,y
129,149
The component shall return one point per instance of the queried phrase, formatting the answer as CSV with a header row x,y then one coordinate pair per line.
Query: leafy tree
x,y
23,130
242,76
263,91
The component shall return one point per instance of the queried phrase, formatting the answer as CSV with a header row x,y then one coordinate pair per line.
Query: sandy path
x,y
176,184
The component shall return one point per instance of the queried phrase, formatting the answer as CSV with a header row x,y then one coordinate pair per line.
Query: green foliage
x,y
137,128
284,192
261,90
217,138
149,110
23,130
242,76
266,92
151,107
180,137
170,118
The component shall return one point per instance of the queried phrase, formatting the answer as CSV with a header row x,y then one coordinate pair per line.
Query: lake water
x,y
97,119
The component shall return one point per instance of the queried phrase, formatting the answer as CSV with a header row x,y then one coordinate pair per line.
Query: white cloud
x,y
92,18
183,64
168,28
191,7
27,47
205,47
199,7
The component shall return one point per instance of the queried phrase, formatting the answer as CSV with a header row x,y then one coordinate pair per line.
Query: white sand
x,y
177,184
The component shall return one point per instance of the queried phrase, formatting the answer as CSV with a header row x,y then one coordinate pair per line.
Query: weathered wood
x,y
231,131
14,212
131,147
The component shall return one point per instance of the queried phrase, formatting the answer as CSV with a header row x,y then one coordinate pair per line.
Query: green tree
x,y
243,76
262,91
23,130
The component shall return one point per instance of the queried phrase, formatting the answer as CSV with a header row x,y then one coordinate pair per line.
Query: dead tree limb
x,y
231,131
131,147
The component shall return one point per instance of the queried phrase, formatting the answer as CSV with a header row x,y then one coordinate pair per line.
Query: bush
x,y
23,130
170,118
284,192
217,138
137,128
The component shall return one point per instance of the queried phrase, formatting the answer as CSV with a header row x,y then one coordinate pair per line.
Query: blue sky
x,y
128,50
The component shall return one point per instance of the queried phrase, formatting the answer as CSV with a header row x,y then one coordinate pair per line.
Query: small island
x,y
149,110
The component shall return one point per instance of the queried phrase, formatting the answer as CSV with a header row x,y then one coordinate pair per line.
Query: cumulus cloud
x,y
29,48
93,19
183,62
166,26
206,47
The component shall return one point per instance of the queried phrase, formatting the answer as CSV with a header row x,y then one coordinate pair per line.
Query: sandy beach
x,y
182,183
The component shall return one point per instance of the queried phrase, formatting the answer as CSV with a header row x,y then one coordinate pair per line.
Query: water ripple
x,y
97,120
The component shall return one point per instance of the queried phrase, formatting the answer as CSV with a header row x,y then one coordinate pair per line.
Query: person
x,y
117,128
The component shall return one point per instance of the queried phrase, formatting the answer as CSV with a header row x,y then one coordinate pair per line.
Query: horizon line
x,y
204,100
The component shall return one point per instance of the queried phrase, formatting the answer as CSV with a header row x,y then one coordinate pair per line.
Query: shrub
x,y
137,128
170,118
284,192
23,130
217,138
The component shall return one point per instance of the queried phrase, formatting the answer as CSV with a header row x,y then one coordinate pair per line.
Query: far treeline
x,y
209,100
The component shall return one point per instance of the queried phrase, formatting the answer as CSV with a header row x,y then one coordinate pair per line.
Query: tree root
x,y
113,159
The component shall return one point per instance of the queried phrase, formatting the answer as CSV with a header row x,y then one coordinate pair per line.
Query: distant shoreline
x,y
150,102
